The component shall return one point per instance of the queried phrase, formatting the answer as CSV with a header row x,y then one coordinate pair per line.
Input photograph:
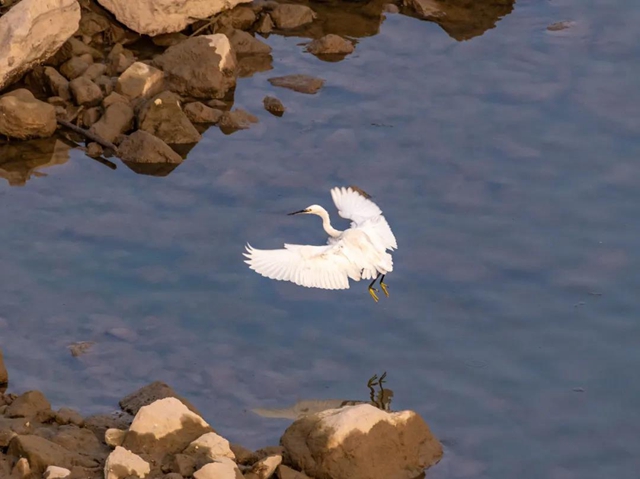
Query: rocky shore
x,y
156,433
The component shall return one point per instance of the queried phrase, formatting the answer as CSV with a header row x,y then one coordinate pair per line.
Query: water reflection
x,y
20,161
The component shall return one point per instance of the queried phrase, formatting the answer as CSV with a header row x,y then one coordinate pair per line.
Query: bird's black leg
x,y
372,290
384,286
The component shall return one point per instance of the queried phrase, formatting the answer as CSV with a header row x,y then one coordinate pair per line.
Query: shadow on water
x,y
461,19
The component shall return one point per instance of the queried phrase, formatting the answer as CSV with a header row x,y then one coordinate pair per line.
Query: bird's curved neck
x,y
326,224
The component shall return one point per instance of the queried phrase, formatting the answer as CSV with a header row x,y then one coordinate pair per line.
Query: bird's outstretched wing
x,y
310,266
363,212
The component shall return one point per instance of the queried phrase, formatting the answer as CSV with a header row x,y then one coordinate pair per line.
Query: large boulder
x,y
153,17
42,453
361,442
200,67
31,32
22,116
166,426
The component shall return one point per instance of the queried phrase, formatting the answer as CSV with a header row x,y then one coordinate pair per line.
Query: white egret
x,y
359,252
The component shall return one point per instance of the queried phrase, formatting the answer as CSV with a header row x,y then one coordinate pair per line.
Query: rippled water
x,y
507,165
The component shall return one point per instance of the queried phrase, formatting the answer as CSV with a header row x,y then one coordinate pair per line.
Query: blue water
x,y
507,166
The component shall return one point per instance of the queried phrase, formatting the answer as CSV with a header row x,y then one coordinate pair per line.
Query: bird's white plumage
x,y
357,253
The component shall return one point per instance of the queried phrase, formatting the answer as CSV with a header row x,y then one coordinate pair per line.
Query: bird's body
x,y
359,252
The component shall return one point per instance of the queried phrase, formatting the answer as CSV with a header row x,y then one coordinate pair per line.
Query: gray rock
x,y
143,147
300,83
163,117
85,92
184,64
23,117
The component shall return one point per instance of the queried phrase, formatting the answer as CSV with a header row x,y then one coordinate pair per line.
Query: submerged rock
x,y
163,117
237,119
143,147
300,83
152,17
273,106
200,67
31,32
345,443
22,116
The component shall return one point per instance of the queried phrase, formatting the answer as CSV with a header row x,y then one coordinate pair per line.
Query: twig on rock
x,y
87,134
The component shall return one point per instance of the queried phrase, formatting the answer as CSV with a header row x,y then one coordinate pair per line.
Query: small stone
x,y
58,84
289,16
173,475
56,101
237,119
85,92
218,105
95,71
200,113
265,24
21,469
86,57
107,84
69,416
239,17
264,468
330,45
163,117
218,470
210,446
140,80
99,423
243,455
6,435
28,405
114,98
117,119
79,348
559,26
94,150
114,437
55,472
91,116
169,39
273,106
300,83
285,472
73,68
22,116
122,463
183,464
79,48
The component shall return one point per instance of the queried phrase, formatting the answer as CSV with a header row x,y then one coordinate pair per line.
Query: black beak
x,y
296,212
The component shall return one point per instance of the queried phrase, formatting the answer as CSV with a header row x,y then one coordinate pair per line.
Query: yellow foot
x,y
373,294
384,289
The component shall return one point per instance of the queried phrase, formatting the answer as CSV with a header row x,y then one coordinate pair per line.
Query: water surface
x,y
507,165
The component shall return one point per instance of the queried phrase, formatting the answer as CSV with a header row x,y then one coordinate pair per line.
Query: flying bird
x,y
359,252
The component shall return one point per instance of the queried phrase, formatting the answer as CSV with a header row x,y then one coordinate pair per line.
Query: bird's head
x,y
309,210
